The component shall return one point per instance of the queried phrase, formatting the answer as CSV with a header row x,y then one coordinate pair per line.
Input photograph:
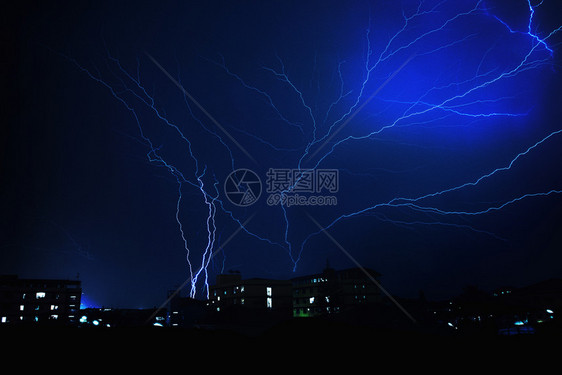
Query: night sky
x,y
114,113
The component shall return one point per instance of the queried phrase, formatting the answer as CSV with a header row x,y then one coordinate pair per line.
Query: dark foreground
x,y
308,342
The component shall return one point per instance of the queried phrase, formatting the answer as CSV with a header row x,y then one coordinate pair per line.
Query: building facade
x,y
39,300
256,294
334,291
327,292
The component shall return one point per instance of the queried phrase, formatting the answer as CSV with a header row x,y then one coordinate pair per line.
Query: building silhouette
x,y
329,292
256,294
39,301
334,291
185,311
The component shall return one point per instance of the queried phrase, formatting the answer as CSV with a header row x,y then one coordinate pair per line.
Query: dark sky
x,y
79,194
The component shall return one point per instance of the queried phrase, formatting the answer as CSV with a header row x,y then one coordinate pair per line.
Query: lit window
x,y
268,291
54,307
21,307
311,300
242,301
54,316
4,319
242,288
40,295
269,302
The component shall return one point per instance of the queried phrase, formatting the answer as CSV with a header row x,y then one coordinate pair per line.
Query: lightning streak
x,y
423,32
454,104
132,85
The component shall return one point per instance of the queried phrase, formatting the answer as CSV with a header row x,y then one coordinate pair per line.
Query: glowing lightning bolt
x,y
461,98
454,105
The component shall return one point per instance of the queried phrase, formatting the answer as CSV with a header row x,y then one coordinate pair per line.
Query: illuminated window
x,y
4,319
269,302
40,295
54,307
21,307
311,300
54,316
268,289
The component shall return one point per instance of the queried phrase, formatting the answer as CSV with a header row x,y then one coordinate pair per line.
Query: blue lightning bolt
x,y
210,196
452,104
462,98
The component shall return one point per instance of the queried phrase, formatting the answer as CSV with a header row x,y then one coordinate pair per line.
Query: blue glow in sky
x,y
440,118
